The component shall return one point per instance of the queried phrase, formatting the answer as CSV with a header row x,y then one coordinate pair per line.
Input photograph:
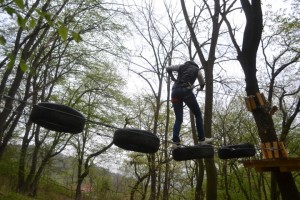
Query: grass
x,y
46,192
48,189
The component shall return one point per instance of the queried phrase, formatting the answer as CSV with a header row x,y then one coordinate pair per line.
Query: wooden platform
x,y
284,165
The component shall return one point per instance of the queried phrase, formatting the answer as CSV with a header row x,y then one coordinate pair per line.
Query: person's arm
x,y
201,80
170,70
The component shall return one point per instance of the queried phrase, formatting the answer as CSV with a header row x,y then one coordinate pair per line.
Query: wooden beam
x,y
284,165
283,151
260,99
248,105
276,150
269,150
263,148
252,102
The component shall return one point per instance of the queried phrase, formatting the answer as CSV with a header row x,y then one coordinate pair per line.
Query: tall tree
x,y
160,41
247,58
24,48
281,54
99,100
208,65
40,60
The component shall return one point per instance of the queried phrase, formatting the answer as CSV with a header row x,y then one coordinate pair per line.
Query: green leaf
x,y
32,71
39,11
76,36
63,32
19,3
11,62
2,40
10,10
23,65
21,21
32,23
47,16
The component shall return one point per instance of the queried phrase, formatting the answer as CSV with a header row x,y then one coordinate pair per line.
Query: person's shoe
x,y
206,141
175,145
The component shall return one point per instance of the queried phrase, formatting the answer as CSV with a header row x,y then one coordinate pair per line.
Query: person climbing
x,y
182,92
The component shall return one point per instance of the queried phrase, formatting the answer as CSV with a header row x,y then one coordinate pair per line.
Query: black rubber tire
x,y
193,152
136,140
57,117
236,151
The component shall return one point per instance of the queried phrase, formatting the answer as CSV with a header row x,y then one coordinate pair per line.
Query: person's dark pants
x,y
179,96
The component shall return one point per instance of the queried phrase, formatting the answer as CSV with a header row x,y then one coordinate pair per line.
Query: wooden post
x,y
260,99
282,150
248,105
263,148
269,150
252,102
276,150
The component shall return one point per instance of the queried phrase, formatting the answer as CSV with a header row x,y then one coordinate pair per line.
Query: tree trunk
x,y
208,65
199,194
35,182
27,51
286,185
211,171
8,107
263,120
78,189
153,175
79,180
22,160
226,182
199,172
136,185
166,184
274,195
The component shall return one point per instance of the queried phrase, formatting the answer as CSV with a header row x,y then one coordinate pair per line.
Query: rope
x,y
66,113
101,124
59,111
104,135
114,127
15,99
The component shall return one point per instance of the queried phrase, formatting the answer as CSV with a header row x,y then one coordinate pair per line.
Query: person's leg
x,y
193,105
178,110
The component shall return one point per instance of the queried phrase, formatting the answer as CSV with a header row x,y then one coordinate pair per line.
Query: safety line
x,y
114,127
15,99
73,115
76,116
83,118
102,124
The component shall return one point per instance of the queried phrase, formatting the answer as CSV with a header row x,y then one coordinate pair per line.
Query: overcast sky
x,y
136,85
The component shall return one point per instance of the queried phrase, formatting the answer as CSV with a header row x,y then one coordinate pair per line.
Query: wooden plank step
x,y
273,150
284,165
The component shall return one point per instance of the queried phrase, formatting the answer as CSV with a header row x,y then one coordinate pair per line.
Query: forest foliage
x,y
107,60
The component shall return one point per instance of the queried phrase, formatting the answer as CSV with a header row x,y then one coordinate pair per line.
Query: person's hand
x,y
171,75
201,88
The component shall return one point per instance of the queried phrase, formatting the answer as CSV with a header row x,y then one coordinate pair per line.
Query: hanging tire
x,y
136,140
57,117
193,152
236,151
